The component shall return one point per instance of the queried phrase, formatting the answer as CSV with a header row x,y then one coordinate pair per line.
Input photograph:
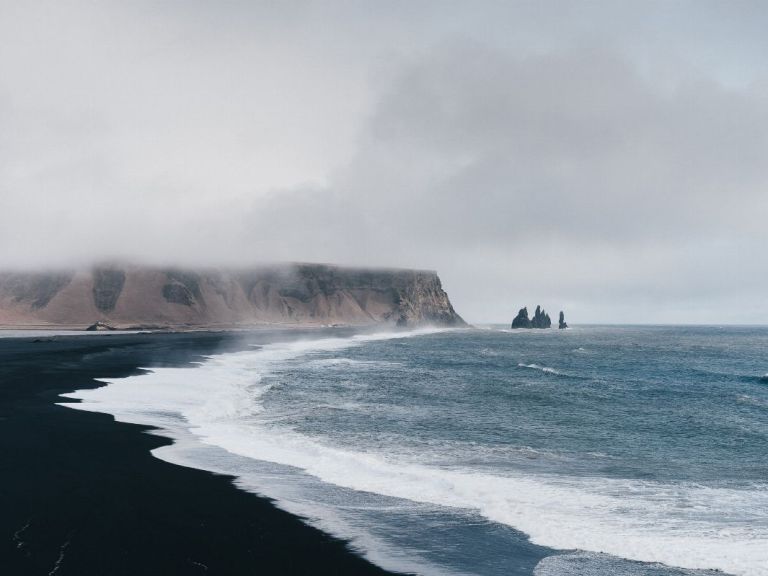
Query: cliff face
x,y
127,296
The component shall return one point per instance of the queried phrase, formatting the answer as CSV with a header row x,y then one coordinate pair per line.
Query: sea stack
x,y
562,324
521,320
540,319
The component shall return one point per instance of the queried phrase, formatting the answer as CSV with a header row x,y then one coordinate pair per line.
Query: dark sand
x,y
81,495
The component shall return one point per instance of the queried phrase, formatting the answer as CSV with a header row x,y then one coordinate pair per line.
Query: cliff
x,y
131,296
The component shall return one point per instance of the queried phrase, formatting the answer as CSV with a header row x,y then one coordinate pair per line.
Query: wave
x,y
488,352
595,564
544,369
740,376
346,362
751,400
637,520
220,403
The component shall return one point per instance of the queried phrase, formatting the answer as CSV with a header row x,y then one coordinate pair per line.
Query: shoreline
x,y
173,328
83,494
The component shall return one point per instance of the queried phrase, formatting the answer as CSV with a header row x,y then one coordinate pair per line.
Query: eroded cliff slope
x,y
129,296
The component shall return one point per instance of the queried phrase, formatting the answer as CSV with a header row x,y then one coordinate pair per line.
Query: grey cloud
x,y
569,172
608,158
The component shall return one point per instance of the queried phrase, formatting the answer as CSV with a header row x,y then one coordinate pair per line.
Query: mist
x,y
604,158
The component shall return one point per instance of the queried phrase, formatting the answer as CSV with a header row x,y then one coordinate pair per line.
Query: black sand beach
x,y
81,495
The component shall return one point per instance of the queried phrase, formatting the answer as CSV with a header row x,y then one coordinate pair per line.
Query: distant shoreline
x,y
174,328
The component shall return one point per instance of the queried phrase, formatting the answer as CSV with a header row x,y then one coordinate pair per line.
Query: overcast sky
x,y
609,158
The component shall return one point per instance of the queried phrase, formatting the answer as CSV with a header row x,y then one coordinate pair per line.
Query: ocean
x,y
616,450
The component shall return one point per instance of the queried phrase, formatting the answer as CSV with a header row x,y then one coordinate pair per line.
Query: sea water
x,y
592,450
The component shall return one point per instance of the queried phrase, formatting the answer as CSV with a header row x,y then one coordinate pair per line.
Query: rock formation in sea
x,y
540,319
521,320
124,296
562,324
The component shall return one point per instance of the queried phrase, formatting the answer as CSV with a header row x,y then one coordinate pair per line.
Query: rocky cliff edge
x,y
142,296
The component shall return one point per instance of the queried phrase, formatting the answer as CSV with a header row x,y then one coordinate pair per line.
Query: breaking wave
x,y
545,369
221,403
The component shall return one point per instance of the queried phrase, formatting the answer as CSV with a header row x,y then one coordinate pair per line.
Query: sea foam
x,y
220,403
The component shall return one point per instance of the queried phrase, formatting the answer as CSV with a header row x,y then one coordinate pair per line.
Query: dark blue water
x,y
652,403
490,451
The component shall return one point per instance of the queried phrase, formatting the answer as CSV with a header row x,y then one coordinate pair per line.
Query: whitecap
x,y
545,369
